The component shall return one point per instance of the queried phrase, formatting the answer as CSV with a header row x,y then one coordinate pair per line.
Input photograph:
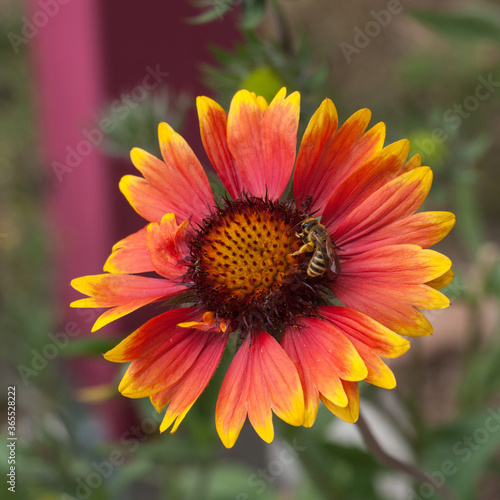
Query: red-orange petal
x,y
263,141
124,293
390,303
260,378
182,395
363,181
168,247
442,281
323,356
244,129
314,149
130,255
354,145
184,175
213,129
161,353
180,177
395,200
350,412
399,264
387,284
309,387
279,138
379,373
146,200
149,337
356,325
343,152
371,340
423,229
413,162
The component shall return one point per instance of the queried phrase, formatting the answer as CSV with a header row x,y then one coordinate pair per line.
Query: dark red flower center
x,y
242,268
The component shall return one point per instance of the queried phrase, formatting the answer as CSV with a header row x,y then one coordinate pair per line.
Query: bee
x,y
316,239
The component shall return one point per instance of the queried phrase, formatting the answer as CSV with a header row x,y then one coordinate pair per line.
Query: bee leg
x,y
308,247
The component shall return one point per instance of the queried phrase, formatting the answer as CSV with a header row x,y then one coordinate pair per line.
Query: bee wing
x,y
325,246
333,267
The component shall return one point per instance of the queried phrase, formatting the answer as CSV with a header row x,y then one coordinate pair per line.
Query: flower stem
x,y
411,469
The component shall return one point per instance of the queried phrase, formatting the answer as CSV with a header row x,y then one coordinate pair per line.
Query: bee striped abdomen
x,y
317,265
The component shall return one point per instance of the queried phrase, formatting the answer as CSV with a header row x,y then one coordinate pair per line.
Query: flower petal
x,y
130,255
152,335
122,292
263,141
180,177
291,345
413,162
314,149
423,229
279,137
260,378
356,325
244,136
387,284
399,264
363,181
167,246
318,171
379,374
350,412
324,357
213,129
183,394
311,350
354,146
146,200
442,281
370,340
395,200
393,305
184,174
161,353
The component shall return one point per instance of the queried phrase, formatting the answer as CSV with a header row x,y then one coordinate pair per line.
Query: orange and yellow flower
x,y
234,265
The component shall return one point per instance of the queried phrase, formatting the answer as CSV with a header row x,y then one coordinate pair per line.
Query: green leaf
x,y
253,12
210,15
467,26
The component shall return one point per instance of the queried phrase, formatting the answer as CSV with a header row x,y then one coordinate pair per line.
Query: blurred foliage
x,y
462,451
429,94
22,225
464,26
25,311
252,11
140,129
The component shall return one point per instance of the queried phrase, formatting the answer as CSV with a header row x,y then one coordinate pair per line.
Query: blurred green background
x,y
431,71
